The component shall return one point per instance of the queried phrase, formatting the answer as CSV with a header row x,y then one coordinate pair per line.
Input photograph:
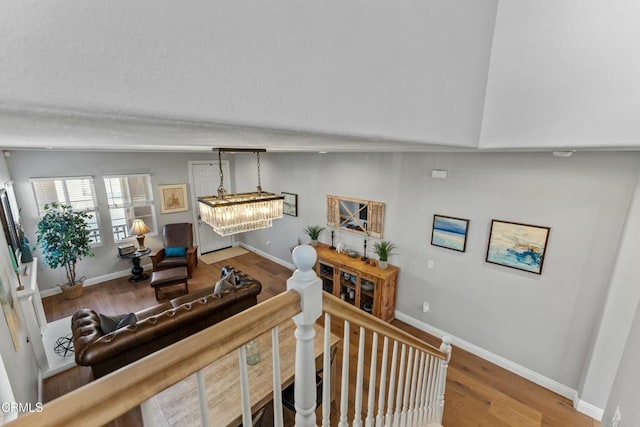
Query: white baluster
x,y
398,411
383,382
244,387
414,386
372,381
357,416
445,347
326,373
388,420
277,382
202,397
424,395
433,380
309,286
418,404
344,389
147,414
407,387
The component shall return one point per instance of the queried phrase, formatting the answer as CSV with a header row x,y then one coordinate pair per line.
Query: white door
x,y
206,180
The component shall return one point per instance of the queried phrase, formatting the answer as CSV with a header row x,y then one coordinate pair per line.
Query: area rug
x,y
223,254
57,330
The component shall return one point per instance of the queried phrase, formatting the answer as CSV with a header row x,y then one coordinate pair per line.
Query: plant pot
x,y
314,243
383,264
75,291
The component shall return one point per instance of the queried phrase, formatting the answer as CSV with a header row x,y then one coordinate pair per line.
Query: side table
x,y
137,272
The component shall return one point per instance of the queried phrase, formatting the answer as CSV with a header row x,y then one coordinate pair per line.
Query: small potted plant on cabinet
x,y
383,249
313,231
65,239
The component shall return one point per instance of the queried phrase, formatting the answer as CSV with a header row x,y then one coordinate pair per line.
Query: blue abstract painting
x,y
449,232
518,246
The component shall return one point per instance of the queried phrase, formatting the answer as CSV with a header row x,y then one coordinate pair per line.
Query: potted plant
x,y
64,237
383,249
313,231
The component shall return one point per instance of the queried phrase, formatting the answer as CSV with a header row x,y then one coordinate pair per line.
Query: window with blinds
x,y
77,192
129,197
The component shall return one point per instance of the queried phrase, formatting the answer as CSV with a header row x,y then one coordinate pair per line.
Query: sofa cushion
x,y
109,324
175,251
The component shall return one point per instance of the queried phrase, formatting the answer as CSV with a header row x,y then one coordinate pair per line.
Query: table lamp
x,y
139,228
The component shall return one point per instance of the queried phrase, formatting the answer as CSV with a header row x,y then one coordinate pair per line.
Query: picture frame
x,y
290,204
517,245
173,198
450,232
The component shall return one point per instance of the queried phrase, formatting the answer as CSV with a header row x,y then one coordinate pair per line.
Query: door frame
x,y
194,199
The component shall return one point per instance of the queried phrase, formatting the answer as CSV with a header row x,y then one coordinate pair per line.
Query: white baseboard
x,y
93,280
588,409
268,256
517,369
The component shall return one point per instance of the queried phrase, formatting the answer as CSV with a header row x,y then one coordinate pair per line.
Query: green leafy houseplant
x,y
64,237
313,231
383,249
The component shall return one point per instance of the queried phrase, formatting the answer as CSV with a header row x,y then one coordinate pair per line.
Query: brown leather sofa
x,y
179,235
156,327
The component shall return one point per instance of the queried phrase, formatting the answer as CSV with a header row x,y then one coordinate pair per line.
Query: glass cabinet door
x,y
367,288
326,274
348,289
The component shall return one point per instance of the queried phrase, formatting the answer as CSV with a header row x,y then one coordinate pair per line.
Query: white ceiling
x,y
408,75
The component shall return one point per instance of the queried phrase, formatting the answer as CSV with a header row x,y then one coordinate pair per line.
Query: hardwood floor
x,y
478,393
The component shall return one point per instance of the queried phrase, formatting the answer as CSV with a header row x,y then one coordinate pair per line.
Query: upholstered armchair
x,y
178,250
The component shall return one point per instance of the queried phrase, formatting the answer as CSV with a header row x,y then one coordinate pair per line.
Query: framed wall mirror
x,y
356,215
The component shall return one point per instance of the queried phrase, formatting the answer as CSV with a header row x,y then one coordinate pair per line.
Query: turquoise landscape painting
x,y
449,232
515,245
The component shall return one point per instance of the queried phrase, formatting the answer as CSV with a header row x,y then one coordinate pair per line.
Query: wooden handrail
x,y
111,396
336,307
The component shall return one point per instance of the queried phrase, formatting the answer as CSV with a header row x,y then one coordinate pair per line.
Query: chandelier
x,y
229,214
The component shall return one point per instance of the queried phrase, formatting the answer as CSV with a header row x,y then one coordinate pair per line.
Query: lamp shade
x,y
139,227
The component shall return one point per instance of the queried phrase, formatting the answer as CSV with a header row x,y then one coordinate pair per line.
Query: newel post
x,y
309,286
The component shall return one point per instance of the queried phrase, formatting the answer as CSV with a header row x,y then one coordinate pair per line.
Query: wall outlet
x,y
430,264
425,306
617,418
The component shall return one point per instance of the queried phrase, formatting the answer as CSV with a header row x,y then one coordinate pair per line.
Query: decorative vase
x,y
25,251
314,242
383,264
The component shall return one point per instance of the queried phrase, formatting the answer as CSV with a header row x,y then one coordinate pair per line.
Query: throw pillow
x,y
175,251
109,324
222,285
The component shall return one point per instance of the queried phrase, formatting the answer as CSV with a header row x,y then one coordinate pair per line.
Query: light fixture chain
x,y
259,188
221,190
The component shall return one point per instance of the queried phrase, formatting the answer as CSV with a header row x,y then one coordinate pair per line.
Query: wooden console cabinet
x,y
369,288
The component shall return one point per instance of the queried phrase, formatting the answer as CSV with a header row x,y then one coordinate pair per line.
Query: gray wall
x,y
21,365
625,388
165,168
545,322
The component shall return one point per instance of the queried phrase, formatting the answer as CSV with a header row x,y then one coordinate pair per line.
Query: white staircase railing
x,y
410,388
407,390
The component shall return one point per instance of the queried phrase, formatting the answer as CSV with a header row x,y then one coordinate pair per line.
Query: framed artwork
x,y
173,198
449,232
290,206
520,246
